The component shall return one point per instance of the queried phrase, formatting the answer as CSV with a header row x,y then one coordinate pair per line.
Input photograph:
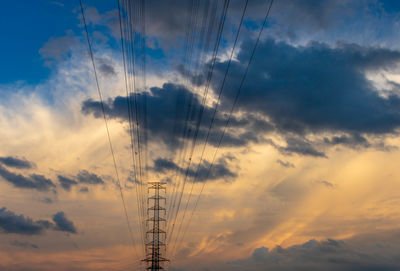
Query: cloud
x,y
300,146
86,177
19,224
353,141
66,182
326,183
162,165
109,19
20,163
107,69
167,19
315,255
170,20
93,16
313,90
291,90
315,17
285,164
17,243
84,189
132,178
171,104
34,181
62,223
316,88
368,22
289,190
219,169
47,200
58,48
83,177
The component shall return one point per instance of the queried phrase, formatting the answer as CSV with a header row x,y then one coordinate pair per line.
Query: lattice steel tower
x,y
155,249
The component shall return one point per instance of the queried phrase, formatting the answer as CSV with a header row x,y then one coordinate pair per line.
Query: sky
x,y
305,176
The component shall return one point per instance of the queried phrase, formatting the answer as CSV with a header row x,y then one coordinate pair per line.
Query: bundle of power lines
x,y
204,28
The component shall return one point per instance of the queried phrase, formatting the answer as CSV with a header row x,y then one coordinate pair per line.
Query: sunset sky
x,y
306,176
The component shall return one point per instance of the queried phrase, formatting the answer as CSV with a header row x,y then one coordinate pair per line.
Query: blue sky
x,y
25,30
25,26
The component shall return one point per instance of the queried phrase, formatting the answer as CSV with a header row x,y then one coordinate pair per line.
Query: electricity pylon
x,y
155,249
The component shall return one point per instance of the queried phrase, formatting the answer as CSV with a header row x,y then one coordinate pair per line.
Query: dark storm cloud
x,y
66,182
297,145
83,177
19,224
315,255
162,165
86,177
351,141
304,90
300,146
219,169
20,163
315,88
171,104
33,181
62,223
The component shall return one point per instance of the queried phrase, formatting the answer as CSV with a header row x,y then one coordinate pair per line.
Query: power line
x,y
210,72
132,35
141,230
191,109
215,50
186,129
192,17
205,40
106,124
231,111
214,114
